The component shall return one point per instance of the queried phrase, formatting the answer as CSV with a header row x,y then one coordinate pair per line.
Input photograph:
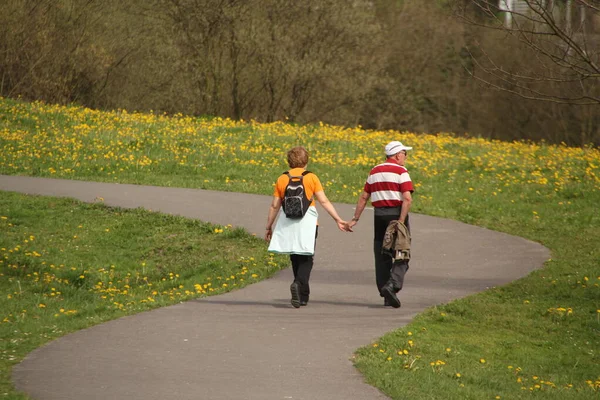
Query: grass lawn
x,y
66,265
539,336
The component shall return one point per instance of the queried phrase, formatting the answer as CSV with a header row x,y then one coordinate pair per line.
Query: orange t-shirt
x,y
311,182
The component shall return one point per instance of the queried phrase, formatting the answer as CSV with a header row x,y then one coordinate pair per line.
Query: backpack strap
x,y
313,196
303,174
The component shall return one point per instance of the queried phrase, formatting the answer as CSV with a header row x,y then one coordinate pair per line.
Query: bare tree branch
x,y
560,57
589,5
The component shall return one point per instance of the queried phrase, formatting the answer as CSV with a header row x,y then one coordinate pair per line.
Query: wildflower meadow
x,y
538,336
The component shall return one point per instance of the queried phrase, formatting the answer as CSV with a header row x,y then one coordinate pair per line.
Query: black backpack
x,y
295,202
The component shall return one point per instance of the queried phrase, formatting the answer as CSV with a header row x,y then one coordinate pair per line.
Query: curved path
x,y
251,344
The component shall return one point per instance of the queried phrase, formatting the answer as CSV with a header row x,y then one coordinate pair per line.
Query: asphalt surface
x,y
251,344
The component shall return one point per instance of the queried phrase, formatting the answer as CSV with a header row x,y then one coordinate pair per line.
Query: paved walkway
x,y
251,344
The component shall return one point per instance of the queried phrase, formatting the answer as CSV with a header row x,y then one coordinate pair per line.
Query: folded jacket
x,y
396,241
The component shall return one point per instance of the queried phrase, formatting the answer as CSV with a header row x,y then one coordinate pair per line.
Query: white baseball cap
x,y
394,148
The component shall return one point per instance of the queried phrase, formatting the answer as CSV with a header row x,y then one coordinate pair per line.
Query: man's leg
x,y
383,265
399,269
389,276
383,262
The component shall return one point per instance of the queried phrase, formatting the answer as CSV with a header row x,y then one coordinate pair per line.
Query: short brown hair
x,y
297,157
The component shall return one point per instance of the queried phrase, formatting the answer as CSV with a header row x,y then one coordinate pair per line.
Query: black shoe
x,y
389,295
303,302
295,290
386,303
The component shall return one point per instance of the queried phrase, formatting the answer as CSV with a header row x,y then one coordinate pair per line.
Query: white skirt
x,y
295,236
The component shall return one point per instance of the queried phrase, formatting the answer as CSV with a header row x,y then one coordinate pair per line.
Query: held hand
x,y
348,228
351,225
343,225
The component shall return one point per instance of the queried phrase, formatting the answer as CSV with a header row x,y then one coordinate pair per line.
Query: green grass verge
x,y
67,265
538,336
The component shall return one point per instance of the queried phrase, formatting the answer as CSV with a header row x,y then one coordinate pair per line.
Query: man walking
x,y
389,187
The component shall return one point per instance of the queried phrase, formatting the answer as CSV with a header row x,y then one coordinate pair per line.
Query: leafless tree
x,y
563,39
55,51
275,59
386,64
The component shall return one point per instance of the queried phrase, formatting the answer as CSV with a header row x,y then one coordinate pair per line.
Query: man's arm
x,y
406,203
360,206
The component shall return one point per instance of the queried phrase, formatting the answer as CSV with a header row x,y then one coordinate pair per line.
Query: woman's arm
x,y
273,210
324,201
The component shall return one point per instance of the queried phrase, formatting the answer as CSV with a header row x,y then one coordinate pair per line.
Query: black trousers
x,y
302,266
386,271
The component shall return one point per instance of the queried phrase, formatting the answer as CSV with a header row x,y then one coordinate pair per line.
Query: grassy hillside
x,y
539,334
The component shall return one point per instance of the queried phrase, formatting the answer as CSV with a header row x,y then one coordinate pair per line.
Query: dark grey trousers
x,y
386,271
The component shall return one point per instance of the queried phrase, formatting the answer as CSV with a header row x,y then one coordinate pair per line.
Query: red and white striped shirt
x,y
386,183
